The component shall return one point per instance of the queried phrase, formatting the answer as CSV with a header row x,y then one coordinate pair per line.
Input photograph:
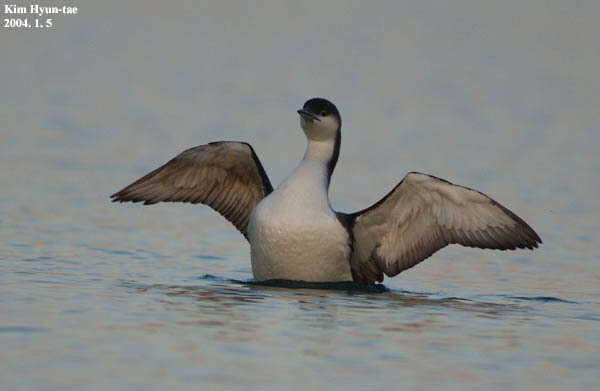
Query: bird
x,y
294,233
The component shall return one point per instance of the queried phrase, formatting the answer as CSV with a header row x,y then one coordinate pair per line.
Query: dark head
x,y
320,119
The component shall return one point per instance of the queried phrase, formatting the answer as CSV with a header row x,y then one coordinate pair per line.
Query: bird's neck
x,y
323,152
319,151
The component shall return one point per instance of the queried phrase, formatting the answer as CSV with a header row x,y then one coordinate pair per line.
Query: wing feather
x,y
225,175
423,214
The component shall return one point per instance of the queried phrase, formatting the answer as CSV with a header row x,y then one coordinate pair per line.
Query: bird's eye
x,y
323,113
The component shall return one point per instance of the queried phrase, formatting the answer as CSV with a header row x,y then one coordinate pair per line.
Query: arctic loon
x,y
294,233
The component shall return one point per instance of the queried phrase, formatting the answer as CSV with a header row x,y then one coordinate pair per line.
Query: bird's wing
x,y
421,215
225,175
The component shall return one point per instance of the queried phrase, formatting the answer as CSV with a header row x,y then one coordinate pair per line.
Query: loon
x,y
293,232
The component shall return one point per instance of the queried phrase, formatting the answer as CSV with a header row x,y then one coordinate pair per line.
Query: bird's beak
x,y
308,116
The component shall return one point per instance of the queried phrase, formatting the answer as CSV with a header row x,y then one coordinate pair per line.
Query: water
x,y
95,295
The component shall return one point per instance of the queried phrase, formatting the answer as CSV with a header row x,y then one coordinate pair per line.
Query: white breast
x,y
294,234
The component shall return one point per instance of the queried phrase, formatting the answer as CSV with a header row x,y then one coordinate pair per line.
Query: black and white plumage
x,y
294,233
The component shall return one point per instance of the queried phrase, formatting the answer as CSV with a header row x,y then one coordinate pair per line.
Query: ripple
x,y
208,257
113,252
542,299
545,299
212,277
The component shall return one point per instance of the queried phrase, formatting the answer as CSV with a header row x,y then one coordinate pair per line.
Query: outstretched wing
x,y
421,215
225,175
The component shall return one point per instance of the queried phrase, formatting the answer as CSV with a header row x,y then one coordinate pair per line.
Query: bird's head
x,y
320,119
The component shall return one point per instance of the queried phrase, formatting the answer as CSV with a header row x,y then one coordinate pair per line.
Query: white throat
x,y
308,185
320,151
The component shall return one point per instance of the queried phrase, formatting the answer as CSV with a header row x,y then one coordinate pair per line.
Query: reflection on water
x,y
222,294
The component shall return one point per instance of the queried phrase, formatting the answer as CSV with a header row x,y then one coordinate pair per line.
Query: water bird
x,y
293,232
